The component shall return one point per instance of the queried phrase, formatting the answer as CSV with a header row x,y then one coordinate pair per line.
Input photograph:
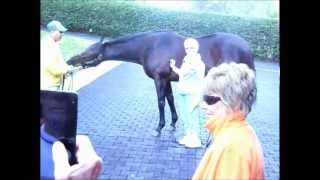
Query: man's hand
x,y
72,69
89,166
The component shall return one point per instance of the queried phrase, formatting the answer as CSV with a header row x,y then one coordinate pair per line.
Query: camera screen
x,y
59,111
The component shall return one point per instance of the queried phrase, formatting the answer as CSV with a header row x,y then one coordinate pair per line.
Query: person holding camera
x,y
236,153
53,66
63,153
89,166
191,74
55,159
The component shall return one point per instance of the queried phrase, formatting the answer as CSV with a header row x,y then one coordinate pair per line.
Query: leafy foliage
x,y
117,18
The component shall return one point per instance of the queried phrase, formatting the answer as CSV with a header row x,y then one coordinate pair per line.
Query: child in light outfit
x,y
191,74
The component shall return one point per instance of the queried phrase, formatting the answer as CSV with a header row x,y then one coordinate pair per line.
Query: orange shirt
x,y
236,152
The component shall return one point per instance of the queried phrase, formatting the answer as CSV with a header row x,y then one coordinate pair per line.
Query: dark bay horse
x,y
153,50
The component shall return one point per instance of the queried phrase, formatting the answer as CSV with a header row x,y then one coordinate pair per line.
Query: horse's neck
x,y
124,51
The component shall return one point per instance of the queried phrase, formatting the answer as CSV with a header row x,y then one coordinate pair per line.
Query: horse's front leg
x,y
170,99
160,87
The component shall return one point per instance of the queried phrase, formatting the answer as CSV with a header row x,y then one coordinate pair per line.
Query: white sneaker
x,y
184,139
193,142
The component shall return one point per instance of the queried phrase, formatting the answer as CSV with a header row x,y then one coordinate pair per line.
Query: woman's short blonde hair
x,y
234,83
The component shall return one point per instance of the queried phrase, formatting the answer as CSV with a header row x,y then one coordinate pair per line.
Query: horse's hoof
x,y
172,128
155,133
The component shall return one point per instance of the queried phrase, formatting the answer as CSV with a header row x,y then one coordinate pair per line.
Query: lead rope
x,y
63,80
71,73
71,82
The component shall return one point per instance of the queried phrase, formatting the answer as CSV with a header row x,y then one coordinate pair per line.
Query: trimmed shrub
x,y
117,18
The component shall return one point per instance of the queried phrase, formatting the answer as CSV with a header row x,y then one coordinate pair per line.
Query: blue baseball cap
x,y
56,26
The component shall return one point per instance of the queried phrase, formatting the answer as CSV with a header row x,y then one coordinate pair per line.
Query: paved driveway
x,y
119,109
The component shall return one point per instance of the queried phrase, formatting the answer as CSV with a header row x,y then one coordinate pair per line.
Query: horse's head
x,y
88,56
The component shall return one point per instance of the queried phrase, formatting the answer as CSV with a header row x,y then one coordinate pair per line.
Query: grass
x,y
70,46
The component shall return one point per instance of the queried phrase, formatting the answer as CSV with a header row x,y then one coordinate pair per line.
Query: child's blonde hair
x,y
191,42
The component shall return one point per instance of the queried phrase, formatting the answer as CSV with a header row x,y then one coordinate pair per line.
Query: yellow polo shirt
x,y
52,64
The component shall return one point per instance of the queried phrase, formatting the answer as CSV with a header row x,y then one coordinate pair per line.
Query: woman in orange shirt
x,y
236,153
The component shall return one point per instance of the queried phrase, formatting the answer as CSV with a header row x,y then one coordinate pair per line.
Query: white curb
x,y
84,77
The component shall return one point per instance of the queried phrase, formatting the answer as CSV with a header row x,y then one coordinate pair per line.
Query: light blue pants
x,y
190,120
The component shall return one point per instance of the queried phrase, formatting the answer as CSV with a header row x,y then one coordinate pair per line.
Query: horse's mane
x,y
129,37
208,36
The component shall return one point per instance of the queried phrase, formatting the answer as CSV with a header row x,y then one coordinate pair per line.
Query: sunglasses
x,y
210,100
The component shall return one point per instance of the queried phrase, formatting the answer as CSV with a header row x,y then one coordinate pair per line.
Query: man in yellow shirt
x,y
53,66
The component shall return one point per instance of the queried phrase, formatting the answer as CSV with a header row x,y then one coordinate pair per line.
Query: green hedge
x,y
117,18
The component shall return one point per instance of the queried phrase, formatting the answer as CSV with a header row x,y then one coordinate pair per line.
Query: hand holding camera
x,y
89,166
59,109
73,155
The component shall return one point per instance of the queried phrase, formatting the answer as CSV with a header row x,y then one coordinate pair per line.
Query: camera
x,y
59,112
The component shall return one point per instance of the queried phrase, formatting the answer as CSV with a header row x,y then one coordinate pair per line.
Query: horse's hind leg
x,y
160,87
170,100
